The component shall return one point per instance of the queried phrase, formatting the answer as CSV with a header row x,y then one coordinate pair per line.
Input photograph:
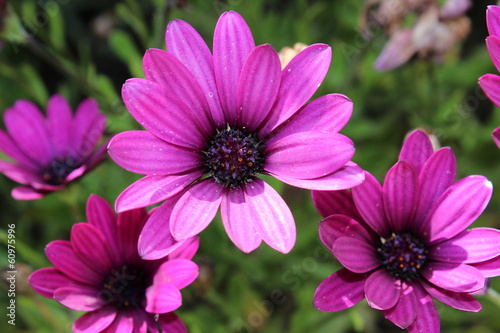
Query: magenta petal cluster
x,y
491,82
99,271
406,242
217,120
47,153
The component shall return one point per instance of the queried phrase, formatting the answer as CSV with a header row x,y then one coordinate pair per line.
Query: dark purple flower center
x,y
125,287
56,172
234,157
402,255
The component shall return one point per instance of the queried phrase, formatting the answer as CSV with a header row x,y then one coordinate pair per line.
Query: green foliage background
x,y
55,46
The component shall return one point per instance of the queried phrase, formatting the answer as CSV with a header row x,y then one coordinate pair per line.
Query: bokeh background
x,y
81,48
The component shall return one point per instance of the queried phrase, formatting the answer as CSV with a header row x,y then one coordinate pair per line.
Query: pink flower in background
x,y
217,121
491,82
49,152
99,271
405,242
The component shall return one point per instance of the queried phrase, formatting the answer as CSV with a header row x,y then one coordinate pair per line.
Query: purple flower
x,y
48,153
405,242
491,82
217,122
100,271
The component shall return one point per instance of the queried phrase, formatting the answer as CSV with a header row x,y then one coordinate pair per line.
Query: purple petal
x,y
403,314
460,301
60,125
187,45
416,149
187,249
302,155
400,193
91,247
335,202
63,257
233,42
239,223
327,113
171,323
257,87
457,208
355,254
82,298
427,316
340,291
271,214
27,127
496,136
436,176
382,290
160,111
179,272
142,152
153,189
88,126
195,209
469,246
398,50
123,323
46,280
453,277
156,241
129,226
102,217
349,176
19,173
452,9
490,84
300,80
369,201
26,193
9,148
489,268
493,44
96,321
162,298
335,226
164,68
492,19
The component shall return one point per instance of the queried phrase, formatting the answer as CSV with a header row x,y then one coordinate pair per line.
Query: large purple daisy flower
x,y
48,153
406,242
100,271
217,122
491,82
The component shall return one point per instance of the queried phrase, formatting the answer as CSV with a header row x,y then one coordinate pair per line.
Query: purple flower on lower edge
x,y
49,152
490,83
216,122
405,242
100,271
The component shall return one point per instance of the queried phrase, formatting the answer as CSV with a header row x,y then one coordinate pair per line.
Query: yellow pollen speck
x,y
240,159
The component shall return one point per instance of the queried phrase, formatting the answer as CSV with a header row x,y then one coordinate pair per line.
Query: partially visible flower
x,y
99,271
491,82
216,122
406,242
288,53
47,153
434,32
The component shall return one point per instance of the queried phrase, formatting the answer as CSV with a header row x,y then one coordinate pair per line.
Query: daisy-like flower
x,y
217,121
490,83
405,242
47,153
100,271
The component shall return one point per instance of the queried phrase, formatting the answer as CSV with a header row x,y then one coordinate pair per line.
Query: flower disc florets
x,y
56,172
125,287
402,255
234,157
